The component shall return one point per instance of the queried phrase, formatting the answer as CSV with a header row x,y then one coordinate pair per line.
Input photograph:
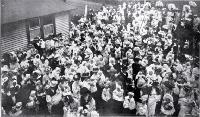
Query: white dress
x,y
184,107
67,112
141,109
106,94
153,99
129,103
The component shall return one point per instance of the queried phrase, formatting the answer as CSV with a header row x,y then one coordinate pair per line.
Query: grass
x,y
96,6
80,4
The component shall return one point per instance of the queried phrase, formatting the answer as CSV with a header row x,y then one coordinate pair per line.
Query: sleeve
x,y
92,105
132,104
126,103
103,95
48,98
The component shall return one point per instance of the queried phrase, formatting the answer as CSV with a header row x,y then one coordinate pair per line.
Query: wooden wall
x,y
62,22
13,36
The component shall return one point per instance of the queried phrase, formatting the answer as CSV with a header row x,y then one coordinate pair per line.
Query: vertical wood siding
x,y
62,23
13,37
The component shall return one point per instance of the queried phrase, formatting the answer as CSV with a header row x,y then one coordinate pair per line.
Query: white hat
x,y
65,93
186,7
19,104
136,49
158,44
144,97
168,96
54,83
159,4
33,92
131,93
192,3
85,84
4,79
4,68
165,26
126,42
14,77
171,6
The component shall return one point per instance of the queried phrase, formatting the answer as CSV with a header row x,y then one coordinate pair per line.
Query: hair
x,y
84,91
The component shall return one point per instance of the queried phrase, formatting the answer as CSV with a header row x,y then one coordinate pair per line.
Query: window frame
x,y
30,29
49,24
41,26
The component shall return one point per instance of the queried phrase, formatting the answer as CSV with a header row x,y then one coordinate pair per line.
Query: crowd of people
x,y
120,60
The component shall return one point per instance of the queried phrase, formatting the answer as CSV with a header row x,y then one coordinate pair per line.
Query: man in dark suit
x,y
136,67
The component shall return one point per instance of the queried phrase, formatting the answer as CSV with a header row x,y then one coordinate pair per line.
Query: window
x,y
34,28
48,26
35,22
40,27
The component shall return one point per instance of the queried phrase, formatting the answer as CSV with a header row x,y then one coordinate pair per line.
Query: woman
x,y
56,103
87,102
142,107
185,100
32,105
70,106
106,98
16,110
76,87
154,97
118,97
129,104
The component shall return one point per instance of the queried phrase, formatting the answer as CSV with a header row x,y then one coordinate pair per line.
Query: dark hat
x,y
76,77
169,84
85,74
84,91
155,84
95,69
112,70
136,59
187,88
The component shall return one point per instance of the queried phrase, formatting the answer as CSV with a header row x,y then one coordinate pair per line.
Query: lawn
x,y
80,4
96,4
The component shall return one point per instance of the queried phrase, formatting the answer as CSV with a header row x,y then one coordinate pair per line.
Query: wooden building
x,y
23,20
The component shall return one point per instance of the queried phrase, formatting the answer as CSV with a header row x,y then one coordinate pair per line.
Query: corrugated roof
x,y
15,10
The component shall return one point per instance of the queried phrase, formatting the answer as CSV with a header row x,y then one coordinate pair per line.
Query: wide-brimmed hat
x,y
168,96
131,93
18,104
112,70
95,69
144,98
136,49
85,75
192,3
53,83
4,79
66,93
187,88
5,68
84,91
33,92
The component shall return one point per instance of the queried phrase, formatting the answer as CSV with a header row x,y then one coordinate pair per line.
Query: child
x,y
129,104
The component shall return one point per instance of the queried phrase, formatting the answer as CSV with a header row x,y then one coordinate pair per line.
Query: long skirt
x,y
128,112
105,108
117,107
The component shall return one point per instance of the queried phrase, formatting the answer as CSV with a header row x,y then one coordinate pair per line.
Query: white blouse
x,y
106,94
